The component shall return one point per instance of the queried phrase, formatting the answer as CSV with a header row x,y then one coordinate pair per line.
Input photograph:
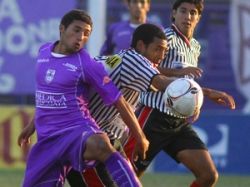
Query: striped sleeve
x,y
153,100
136,72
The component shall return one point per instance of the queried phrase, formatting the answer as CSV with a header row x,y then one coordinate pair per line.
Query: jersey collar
x,y
183,37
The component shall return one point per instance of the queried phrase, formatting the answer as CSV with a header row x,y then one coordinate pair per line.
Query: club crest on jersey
x,y
50,75
113,61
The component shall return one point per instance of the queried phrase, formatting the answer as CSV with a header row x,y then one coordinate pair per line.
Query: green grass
x,y
184,180
13,178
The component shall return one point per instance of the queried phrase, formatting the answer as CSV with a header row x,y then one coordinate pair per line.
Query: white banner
x,y
240,46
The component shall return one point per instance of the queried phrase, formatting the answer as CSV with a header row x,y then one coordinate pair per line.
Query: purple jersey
x,y
119,36
62,119
63,83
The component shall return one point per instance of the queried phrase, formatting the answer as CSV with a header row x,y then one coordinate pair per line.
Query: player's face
x,y
138,8
186,18
155,51
74,37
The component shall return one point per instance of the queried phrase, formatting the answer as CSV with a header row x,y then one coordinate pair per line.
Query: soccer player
x,y
165,130
119,34
132,72
68,137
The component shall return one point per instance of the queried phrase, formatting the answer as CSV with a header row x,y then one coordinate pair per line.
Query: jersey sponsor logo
x,y
50,100
42,60
50,74
70,67
113,61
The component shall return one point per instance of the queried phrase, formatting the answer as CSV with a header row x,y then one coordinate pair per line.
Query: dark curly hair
x,y
147,32
199,4
76,14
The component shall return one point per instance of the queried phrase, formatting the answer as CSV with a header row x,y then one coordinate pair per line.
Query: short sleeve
x,y
96,76
137,72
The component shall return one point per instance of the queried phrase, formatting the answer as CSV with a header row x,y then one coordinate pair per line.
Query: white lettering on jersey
x,y
50,100
70,67
42,60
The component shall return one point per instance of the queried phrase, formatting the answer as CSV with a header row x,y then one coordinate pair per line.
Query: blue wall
x,y
228,139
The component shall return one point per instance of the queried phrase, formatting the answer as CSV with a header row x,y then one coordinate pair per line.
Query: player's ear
x,y
198,19
61,28
140,46
148,5
173,14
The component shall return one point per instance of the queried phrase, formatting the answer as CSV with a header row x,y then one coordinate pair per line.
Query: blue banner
x,y
227,138
24,26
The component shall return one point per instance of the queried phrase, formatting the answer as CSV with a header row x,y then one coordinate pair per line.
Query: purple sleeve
x,y
98,78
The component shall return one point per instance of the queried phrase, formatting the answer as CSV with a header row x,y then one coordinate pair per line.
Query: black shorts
x,y
169,134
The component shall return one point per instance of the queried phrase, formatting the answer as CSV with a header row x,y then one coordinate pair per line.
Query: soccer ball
x,y
184,96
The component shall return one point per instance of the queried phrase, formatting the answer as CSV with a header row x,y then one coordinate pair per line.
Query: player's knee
x,y
103,149
98,148
210,178
214,175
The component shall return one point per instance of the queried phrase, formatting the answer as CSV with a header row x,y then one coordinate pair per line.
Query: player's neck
x,y
190,35
59,49
138,21
187,35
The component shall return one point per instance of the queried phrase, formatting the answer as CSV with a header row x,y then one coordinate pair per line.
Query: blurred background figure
x,y
119,34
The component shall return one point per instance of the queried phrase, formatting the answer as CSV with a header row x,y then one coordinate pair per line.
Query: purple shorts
x,y
51,157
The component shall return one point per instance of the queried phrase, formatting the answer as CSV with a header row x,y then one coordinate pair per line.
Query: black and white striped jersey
x,y
131,73
182,53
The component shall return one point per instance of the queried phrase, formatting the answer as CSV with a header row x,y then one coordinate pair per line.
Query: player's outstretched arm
x,y
24,136
194,72
219,97
160,82
130,120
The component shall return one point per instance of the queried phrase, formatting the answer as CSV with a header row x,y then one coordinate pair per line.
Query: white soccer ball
x,y
184,96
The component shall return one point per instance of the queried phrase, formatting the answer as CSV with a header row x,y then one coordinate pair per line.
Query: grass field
x,y
13,178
